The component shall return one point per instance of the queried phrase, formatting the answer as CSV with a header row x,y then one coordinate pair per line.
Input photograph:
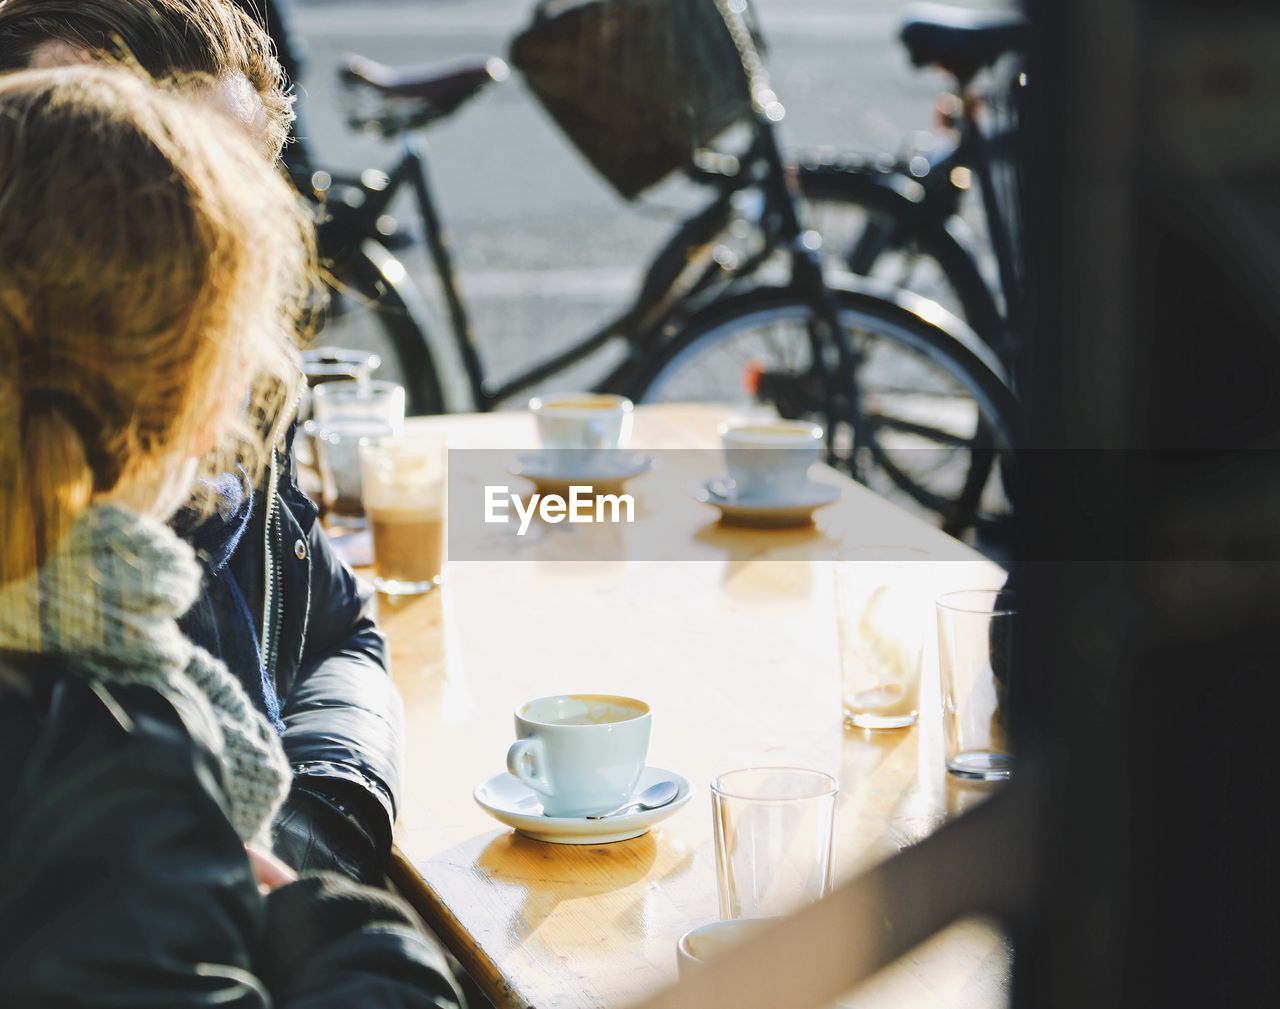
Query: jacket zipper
x,y
272,576
270,581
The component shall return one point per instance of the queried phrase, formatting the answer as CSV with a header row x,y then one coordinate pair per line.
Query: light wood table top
x,y
736,654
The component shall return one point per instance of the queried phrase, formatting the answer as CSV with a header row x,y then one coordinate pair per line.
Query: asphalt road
x,y
547,250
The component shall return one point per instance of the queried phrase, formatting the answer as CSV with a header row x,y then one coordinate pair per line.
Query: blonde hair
x,y
166,38
152,268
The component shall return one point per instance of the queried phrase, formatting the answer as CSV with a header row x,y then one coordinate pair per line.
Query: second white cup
x,y
770,461
582,753
582,422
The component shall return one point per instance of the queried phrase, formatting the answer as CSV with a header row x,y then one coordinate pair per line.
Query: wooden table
x,y
736,654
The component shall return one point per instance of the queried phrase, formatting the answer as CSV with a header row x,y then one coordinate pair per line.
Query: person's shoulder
x,y
69,731
134,887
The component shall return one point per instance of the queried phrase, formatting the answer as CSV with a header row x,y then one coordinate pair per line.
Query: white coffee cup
x,y
582,753
770,460
705,942
582,423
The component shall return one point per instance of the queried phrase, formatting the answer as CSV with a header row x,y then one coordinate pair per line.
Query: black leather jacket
x,y
126,888
313,622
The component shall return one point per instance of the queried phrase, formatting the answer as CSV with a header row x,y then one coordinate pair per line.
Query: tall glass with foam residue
x,y
404,498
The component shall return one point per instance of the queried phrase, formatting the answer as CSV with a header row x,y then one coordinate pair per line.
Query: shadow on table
x,y
743,555
490,894
553,874
740,543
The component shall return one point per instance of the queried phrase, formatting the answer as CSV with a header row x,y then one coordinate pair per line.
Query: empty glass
x,y
773,830
882,609
337,403
322,365
975,642
347,415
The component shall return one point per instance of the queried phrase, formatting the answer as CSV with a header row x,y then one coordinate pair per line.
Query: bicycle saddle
x,y
961,42
442,89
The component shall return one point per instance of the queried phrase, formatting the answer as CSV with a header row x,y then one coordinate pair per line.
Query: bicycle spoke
x,y
878,421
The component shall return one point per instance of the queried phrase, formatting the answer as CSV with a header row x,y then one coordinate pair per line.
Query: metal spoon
x,y
653,797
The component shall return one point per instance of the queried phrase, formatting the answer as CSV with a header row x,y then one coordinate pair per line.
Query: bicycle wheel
x,y
872,227
936,417
373,308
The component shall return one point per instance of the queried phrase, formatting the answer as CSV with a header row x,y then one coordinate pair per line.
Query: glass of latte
x,y
404,489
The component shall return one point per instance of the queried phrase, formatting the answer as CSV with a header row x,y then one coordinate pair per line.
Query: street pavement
x,y
547,250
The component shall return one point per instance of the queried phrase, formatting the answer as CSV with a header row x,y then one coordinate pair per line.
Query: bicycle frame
x,y
977,152
979,149
663,296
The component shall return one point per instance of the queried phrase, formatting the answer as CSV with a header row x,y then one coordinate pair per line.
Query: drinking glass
x,y
773,830
882,609
334,402
323,365
348,415
975,641
404,492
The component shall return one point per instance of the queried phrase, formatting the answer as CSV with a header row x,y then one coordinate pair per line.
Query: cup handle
x,y
526,760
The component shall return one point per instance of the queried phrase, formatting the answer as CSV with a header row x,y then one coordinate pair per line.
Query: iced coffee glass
x,y
404,489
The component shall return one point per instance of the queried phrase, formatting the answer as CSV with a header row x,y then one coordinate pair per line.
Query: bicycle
x,y
876,364
900,219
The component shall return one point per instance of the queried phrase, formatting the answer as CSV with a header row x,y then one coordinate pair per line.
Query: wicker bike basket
x,y
637,85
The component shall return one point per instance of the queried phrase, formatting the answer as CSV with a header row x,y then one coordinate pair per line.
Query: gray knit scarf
x,y
108,601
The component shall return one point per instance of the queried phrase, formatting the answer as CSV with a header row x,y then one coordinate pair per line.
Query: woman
x,y
309,653
150,263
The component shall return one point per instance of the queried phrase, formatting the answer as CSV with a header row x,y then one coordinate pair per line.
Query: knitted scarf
x,y
108,602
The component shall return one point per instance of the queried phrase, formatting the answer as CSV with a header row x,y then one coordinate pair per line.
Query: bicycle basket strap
x,y
637,85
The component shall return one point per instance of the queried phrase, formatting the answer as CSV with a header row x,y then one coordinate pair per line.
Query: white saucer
x,y
546,471
767,513
517,805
